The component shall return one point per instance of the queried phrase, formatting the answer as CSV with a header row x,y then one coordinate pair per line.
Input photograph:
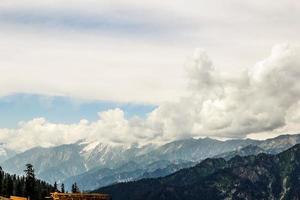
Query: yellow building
x,y
17,198
13,198
79,196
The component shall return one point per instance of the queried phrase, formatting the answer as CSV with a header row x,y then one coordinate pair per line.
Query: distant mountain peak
x,y
79,159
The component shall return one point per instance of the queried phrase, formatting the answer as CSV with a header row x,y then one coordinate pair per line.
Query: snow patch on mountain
x,y
89,147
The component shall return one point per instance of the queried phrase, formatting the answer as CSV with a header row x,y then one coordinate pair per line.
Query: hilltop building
x,y
13,198
79,196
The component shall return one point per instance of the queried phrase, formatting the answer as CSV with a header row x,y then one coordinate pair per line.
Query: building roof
x,y
79,196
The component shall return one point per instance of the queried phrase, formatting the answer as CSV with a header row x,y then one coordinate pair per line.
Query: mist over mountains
x,y
95,164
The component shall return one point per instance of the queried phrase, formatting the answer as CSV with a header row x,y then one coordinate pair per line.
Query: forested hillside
x,y
25,186
262,176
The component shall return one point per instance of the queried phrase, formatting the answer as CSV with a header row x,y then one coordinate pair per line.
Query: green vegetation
x,y
75,188
26,186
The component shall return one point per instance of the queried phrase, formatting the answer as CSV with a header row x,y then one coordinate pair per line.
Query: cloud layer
x,y
130,50
260,99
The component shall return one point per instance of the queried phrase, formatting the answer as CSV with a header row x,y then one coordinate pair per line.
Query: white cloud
x,y
112,127
97,68
131,51
262,99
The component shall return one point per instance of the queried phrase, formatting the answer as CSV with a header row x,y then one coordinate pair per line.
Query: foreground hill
x,y
252,177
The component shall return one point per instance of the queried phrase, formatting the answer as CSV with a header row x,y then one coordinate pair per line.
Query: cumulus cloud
x,y
259,99
112,127
262,99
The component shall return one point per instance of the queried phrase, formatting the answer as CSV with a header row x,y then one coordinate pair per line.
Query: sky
x,y
60,109
147,71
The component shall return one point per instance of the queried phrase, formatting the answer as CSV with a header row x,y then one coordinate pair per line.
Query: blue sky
x,y
24,107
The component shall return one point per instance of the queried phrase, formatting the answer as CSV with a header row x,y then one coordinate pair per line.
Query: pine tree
x,y
29,181
24,186
10,185
62,188
75,188
1,180
19,187
55,187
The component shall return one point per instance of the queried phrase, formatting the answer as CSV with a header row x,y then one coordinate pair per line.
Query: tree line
x,y
28,185
25,186
74,188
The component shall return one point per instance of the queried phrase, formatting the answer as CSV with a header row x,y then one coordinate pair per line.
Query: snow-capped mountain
x,y
58,163
103,164
61,162
97,154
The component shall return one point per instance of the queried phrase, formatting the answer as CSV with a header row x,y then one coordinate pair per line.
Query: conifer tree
x,y
62,188
1,180
30,181
24,186
55,187
75,188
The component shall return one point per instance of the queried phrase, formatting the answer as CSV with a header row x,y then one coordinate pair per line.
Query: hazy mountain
x,y
128,172
269,146
169,169
245,151
94,164
6,153
252,177
50,164
193,149
280,143
58,163
159,161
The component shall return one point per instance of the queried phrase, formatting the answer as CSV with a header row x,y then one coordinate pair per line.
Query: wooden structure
x,y
13,198
79,196
17,198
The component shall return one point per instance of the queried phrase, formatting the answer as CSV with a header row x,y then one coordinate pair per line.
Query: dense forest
x,y
25,186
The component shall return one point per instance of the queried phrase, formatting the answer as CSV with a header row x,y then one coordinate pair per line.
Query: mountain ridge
x,y
263,176
73,161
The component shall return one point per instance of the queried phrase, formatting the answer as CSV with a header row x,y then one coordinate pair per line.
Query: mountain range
x,y
263,176
93,164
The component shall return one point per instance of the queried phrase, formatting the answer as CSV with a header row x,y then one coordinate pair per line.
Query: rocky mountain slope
x,y
85,160
58,163
262,176
269,146
128,172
